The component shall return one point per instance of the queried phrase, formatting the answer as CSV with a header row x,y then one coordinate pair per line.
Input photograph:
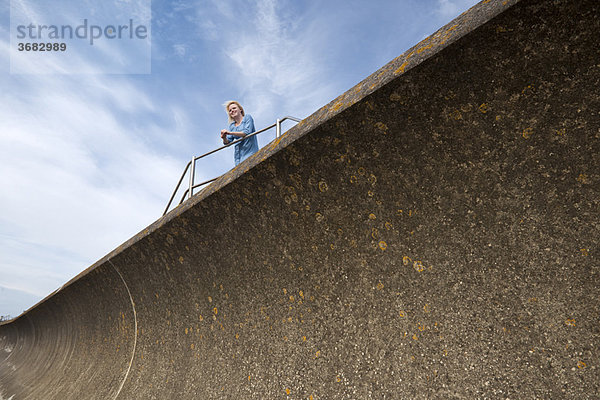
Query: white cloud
x,y
12,301
180,49
208,30
224,8
80,174
448,9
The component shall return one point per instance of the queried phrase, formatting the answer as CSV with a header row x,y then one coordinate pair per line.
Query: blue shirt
x,y
247,147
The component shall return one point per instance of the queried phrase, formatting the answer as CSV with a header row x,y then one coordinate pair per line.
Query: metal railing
x,y
191,165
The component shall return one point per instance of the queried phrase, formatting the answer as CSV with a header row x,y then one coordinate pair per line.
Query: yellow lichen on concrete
x,y
418,266
374,233
400,70
382,245
422,49
455,115
372,179
337,106
528,89
527,132
583,179
382,127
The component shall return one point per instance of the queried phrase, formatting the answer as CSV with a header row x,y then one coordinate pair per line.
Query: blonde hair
x,y
230,102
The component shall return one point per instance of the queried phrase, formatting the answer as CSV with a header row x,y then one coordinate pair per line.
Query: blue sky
x,y
87,160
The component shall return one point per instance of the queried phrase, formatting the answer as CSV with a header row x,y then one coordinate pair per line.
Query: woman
x,y
240,125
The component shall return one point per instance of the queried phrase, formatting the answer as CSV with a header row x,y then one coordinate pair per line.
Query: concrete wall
x,y
432,233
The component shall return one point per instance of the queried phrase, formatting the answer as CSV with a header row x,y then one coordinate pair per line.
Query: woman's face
x,y
234,110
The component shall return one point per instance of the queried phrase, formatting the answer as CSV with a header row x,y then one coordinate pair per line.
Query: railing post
x,y
278,128
192,173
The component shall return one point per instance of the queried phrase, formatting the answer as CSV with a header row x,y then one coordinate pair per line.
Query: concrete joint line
x,y
135,331
19,334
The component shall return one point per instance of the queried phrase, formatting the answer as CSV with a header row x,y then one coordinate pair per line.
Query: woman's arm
x,y
247,126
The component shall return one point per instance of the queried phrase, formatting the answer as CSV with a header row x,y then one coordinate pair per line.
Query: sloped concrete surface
x,y
430,234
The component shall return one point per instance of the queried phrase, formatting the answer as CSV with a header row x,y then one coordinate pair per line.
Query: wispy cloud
x,y
448,9
82,171
13,302
180,50
270,59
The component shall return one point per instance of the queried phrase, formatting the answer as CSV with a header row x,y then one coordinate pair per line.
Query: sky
x,y
94,139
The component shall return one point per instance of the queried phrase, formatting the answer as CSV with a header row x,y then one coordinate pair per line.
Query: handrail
x,y
177,187
189,191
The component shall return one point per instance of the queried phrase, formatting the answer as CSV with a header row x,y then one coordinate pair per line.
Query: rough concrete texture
x,y
432,233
